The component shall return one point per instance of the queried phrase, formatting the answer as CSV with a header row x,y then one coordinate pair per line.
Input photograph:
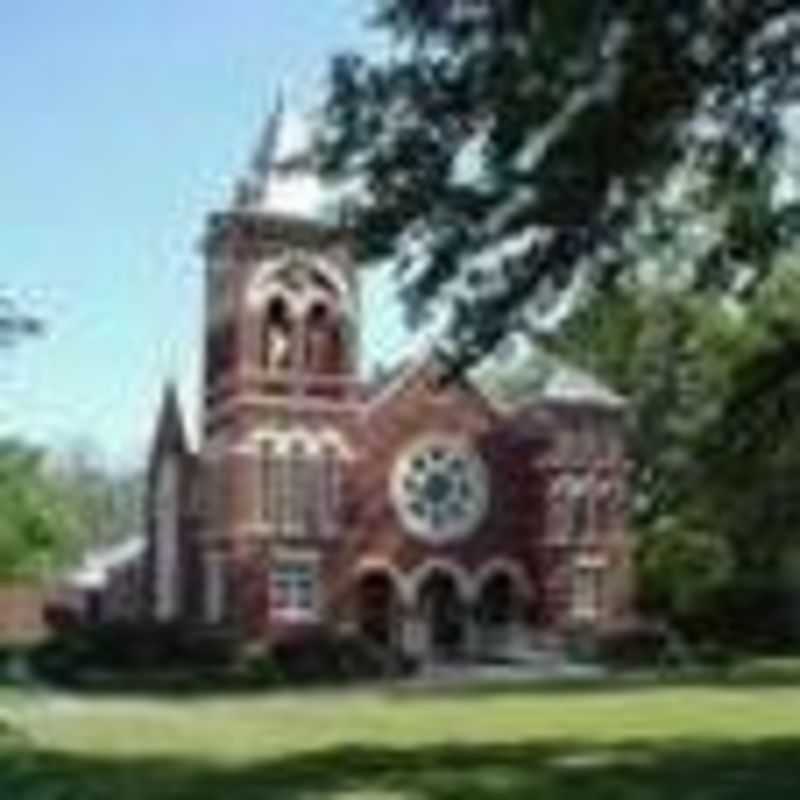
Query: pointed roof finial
x,y
253,190
264,156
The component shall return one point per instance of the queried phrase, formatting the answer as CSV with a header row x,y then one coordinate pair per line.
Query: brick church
x,y
467,517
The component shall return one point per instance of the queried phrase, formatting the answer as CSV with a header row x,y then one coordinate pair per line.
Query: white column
x,y
214,588
413,633
167,564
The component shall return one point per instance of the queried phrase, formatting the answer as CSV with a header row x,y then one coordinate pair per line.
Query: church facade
x,y
465,517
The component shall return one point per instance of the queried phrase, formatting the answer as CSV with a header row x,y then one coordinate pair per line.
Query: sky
x,y
123,125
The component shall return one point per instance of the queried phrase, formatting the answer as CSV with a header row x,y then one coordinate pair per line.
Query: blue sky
x,y
123,125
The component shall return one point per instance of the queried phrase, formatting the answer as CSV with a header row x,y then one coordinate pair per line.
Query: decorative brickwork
x,y
291,513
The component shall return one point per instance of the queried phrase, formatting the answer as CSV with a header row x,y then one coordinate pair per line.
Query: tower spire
x,y
252,192
170,435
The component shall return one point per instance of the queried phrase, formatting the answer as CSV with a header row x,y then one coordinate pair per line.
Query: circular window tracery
x,y
440,490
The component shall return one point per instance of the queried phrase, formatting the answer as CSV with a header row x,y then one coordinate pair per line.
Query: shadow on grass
x,y
568,770
185,685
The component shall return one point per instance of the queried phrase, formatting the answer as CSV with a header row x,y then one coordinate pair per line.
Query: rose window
x,y
440,490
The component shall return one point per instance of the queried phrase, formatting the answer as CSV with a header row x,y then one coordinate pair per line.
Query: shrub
x,y
139,656
314,656
126,647
639,645
261,671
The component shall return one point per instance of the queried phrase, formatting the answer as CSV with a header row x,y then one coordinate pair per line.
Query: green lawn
x,y
732,740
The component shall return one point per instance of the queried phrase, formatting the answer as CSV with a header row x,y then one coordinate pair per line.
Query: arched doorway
x,y
443,613
497,612
378,608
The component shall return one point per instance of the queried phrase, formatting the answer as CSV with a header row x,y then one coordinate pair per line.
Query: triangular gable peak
x,y
423,371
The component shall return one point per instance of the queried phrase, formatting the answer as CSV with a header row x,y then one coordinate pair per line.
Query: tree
x,y
683,573
505,151
670,352
37,530
107,504
752,447
715,508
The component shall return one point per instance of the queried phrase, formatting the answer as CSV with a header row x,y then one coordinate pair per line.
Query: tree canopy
x,y
502,152
37,533
716,454
54,510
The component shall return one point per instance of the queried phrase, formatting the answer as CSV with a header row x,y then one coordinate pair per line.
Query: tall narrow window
x,y
329,491
276,337
296,490
316,336
586,592
271,468
604,507
578,513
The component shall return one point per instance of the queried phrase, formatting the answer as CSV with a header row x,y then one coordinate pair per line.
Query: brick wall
x,y
21,612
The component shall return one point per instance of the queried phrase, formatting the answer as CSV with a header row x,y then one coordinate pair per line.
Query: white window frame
x,y
587,591
300,585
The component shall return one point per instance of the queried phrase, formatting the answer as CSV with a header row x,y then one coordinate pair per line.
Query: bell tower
x,y
281,297
280,389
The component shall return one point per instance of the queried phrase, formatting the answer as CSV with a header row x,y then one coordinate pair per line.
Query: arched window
x,y
276,336
322,340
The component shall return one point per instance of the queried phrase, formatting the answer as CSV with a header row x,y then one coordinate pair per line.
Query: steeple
x,y
252,191
170,435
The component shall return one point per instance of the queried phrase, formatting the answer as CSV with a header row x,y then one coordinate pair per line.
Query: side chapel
x,y
471,517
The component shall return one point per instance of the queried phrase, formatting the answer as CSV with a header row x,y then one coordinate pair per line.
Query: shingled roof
x,y
520,372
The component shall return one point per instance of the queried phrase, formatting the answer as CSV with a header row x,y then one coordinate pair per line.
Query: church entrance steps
x,y
444,676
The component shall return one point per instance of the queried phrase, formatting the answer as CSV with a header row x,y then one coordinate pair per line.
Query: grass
x,y
732,739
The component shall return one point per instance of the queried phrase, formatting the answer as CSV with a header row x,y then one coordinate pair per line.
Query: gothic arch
x,y
502,566
380,566
269,273
445,566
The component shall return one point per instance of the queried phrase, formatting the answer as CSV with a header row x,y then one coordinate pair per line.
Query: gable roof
x,y
95,570
520,372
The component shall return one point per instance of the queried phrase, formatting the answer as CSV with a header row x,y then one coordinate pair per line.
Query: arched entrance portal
x,y
443,614
502,606
496,613
378,608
